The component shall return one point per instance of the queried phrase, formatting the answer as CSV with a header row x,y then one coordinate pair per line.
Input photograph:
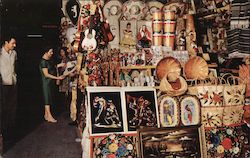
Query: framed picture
x,y
172,142
148,56
190,110
141,108
128,34
114,145
169,111
105,109
144,33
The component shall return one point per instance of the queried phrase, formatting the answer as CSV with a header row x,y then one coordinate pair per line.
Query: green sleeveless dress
x,y
47,83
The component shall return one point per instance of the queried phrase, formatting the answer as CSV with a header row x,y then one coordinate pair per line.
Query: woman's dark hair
x,y
65,50
45,49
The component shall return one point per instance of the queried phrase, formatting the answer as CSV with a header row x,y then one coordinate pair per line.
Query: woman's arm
x,y
46,74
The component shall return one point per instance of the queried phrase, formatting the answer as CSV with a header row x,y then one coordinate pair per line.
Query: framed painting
x,y
169,111
172,142
128,32
114,145
105,109
141,108
190,110
144,33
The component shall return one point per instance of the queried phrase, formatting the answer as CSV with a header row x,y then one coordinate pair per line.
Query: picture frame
x,y
190,110
105,109
168,111
141,105
172,142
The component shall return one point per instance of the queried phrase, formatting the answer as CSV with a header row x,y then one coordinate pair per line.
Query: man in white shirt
x,y
8,58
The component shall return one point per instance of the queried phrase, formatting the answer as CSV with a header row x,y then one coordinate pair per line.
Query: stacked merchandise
x,y
239,32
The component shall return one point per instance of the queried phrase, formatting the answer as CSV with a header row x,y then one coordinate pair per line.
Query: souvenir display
x,y
172,142
190,110
149,64
134,10
169,111
114,145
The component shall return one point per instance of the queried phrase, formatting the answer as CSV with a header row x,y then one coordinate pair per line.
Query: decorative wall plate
x,y
190,110
134,10
152,7
169,111
112,9
179,8
212,116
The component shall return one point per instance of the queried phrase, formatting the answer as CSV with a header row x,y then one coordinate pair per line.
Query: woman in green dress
x,y
48,77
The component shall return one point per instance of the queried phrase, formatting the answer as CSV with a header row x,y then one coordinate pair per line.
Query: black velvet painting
x,y
141,109
106,112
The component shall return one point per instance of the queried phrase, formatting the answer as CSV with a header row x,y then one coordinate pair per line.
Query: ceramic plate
x,y
112,8
134,10
152,7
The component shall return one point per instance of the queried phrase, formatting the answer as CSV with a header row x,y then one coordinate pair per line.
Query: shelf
x,y
138,67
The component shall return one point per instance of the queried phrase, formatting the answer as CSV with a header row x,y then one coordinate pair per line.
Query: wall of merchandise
x,y
150,73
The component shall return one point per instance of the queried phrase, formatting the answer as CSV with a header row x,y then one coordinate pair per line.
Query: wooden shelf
x,y
138,67
213,65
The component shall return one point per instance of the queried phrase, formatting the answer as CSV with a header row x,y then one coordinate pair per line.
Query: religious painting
x,y
190,110
105,109
169,111
128,34
172,142
141,108
144,34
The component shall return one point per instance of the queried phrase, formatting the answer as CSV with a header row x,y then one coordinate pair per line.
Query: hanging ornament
x,y
73,10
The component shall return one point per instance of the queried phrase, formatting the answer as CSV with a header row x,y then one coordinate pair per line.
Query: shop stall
x,y
159,78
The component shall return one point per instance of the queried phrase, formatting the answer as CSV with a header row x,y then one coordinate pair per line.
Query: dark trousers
x,y
9,106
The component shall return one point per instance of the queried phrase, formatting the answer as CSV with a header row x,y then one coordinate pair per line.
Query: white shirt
x,y
7,66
